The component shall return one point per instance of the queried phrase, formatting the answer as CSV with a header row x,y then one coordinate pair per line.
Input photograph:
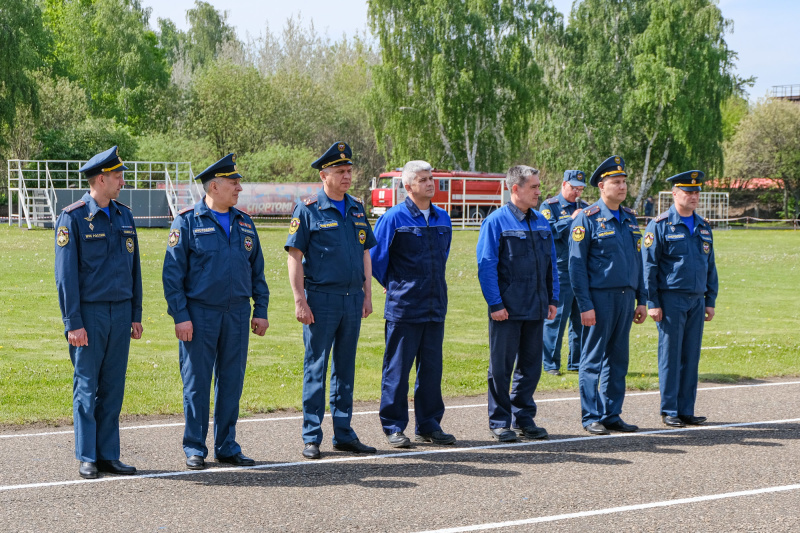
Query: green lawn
x,y
756,332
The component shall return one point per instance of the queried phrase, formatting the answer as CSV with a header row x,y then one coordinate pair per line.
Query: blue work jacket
x,y
604,253
558,212
676,260
204,267
96,259
409,261
517,263
333,246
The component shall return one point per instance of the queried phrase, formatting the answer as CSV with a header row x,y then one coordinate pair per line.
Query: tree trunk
x,y
647,182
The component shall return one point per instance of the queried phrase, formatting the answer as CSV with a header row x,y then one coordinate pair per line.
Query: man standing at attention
x,y
519,279
413,242
99,283
213,267
680,277
330,273
561,211
605,268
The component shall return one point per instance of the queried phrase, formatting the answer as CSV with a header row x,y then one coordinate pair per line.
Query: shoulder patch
x,y
185,210
73,207
552,200
311,199
123,205
662,216
629,210
589,211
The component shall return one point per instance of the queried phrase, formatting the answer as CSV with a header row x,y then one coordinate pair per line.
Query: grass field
x,y
756,332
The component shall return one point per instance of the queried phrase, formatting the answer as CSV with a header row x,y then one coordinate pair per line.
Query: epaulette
x,y
73,207
589,211
185,210
552,200
311,199
123,205
662,216
357,199
243,211
629,210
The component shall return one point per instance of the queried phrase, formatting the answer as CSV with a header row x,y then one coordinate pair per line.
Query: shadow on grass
x,y
508,462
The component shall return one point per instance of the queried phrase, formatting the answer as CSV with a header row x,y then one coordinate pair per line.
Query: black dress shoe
x,y
398,440
437,437
87,470
596,428
531,432
114,466
692,420
311,451
354,446
621,426
672,421
195,462
237,459
503,434
553,372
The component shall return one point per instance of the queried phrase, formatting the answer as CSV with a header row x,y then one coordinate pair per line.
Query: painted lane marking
x,y
361,413
622,509
589,438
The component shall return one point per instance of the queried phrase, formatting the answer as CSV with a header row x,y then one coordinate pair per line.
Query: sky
x,y
764,31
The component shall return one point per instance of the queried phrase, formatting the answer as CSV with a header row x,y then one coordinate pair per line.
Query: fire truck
x,y
467,196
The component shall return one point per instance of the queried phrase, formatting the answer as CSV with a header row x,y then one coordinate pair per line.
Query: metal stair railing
x,y
172,194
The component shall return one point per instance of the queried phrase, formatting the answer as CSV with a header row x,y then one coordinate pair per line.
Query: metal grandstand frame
x,y
713,206
32,186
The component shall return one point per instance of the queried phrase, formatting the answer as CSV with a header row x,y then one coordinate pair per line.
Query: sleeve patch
x,y
578,233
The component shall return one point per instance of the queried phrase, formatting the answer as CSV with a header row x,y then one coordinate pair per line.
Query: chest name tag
x,y
360,223
128,232
329,225
94,236
676,237
604,234
204,231
247,231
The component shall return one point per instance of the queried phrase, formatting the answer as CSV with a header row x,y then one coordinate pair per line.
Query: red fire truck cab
x,y
465,195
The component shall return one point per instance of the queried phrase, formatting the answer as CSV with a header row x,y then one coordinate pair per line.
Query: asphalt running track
x,y
739,472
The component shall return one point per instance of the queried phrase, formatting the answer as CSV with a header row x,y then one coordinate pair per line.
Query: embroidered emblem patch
x,y
547,214
174,237
341,147
62,238
293,225
248,243
578,232
639,245
707,247
648,239
362,236
129,245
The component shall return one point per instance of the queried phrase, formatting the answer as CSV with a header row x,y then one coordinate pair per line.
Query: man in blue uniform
x,y
413,242
99,283
330,273
605,269
519,279
213,267
680,277
561,211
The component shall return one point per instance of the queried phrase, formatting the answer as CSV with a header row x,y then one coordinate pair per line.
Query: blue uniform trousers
x,y
337,323
680,333
98,384
604,361
407,342
218,346
510,340
566,312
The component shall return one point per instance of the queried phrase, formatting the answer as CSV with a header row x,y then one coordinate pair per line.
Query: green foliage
x,y
734,109
173,147
458,81
24,43
278,163
208,31
90,137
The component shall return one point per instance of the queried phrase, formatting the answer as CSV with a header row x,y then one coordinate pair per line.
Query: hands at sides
x,y
136,330
184,330
656,314
303,312
259,326
500,315
78,337
551,312
709,314
588,318
640,314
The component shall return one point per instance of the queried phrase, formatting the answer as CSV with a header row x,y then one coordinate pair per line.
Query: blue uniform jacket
x,y
605,253
97,259
676,260
517,263
203,267
333,248
558,212
409,260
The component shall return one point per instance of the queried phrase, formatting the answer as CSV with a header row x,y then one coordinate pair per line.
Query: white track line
x,y
612,510
361,413
361,458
